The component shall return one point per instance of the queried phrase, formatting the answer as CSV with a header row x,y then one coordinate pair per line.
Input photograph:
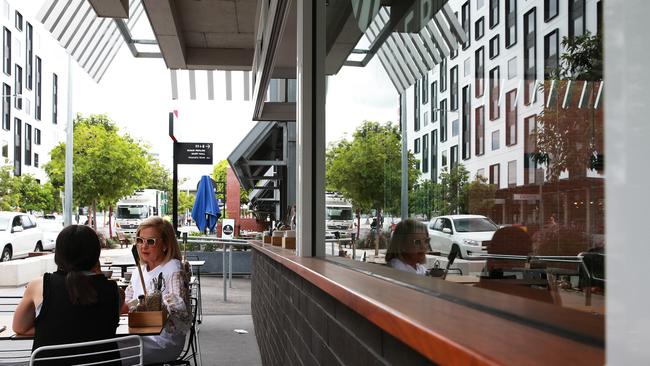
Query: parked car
x,y
470,233
51,226
19,235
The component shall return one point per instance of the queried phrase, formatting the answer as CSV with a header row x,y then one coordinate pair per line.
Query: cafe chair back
x,y
8,304
509,240
192,349
114,351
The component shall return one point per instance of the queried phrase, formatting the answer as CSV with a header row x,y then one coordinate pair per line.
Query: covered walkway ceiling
x,y
204,34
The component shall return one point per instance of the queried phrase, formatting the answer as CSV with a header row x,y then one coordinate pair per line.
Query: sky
x,y
136,94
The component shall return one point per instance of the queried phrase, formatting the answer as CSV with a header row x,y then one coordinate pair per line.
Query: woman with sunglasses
x,y
408,247
160,254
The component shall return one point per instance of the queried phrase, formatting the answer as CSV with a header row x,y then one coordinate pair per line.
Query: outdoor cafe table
x,y
122,265
123,329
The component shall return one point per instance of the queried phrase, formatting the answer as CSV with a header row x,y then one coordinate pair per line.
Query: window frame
x,y
510,22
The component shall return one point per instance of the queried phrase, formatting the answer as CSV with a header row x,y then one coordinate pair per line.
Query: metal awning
x,y
92,41
263,148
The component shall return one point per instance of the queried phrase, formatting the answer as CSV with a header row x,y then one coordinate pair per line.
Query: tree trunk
x,y
110,221
358,224
377,231
94,216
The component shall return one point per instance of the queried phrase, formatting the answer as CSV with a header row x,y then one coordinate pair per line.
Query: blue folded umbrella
x,y
206,207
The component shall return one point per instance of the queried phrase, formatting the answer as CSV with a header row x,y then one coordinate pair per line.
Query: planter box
x,y
147,318
241,261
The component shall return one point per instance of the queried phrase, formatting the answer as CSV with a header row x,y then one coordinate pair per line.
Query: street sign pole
x,y
174,174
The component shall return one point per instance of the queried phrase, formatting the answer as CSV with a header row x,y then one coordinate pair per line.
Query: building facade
x,y
479,107
34,100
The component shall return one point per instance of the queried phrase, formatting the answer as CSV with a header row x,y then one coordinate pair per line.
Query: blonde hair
x,y
167,235
397,244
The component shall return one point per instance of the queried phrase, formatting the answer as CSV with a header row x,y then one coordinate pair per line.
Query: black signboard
x,y
193,153
228,229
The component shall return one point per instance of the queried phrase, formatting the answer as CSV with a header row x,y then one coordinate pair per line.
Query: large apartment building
x,y
34,101
479,107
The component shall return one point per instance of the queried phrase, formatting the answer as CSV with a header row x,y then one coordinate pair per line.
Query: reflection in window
x,y
6,64
444,158
443,120
443,75
29,55
494,175
511,23
465,22
479,28
511,117
434,101
454,156
479,71
6,107
530,164
512,68
494,13
18,83
38,76
551,54
416,146
18,146
28,144
479,122
467,127
494,46
495,140
454,88
530,55
494,93
551,9
434,156
425,153
512,174
576,18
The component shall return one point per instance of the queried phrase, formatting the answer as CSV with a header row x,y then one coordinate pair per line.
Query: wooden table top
x,y
123,328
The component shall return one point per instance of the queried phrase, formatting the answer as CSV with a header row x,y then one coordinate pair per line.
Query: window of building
x,y
495,140
5,149
29,55
480,3
454,156
480,173
19,21
512,174
6,107
443,120
444,158
434,101
512,68
466,147
530,55
453,53
467,66
479,71
511,23
479,28
38,76
494,93
511,117
453,93
454,128
55,99
466,22
443,75
599,18
530,147
18,84
425,89
434,156
551,9
416,146
576,18
479,131
551,54
35,160
494,13
425,118
6,64
494,175
18,147
494,46
28,144
416,108
37,136
425,153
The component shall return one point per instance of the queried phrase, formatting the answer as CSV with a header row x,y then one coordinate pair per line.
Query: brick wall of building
x,y
296,323
233,203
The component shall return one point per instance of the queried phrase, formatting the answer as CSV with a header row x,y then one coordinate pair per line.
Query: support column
x,y
69,152
404,194
310,128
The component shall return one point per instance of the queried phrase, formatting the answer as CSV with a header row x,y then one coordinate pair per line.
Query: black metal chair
x,y
192,349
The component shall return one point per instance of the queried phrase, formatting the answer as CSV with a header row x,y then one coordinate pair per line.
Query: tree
x,y
185,201
9,196
367,169
451,192
421,198
107,165
571,139
480,196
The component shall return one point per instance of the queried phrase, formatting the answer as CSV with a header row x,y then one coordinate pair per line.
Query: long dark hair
x,y
77,250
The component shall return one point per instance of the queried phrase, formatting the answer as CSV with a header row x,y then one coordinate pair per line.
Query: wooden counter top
x,y
454,324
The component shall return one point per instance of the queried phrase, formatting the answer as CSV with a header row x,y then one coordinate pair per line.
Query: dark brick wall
x,y
297,323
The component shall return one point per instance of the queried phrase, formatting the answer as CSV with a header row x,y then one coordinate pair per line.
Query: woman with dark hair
x,y
408,247
77,303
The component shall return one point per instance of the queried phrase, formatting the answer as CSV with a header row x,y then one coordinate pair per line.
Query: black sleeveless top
x,y
61,322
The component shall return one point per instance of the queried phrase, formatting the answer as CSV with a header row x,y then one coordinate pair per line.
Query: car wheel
x,y
6,254
39,247
460,254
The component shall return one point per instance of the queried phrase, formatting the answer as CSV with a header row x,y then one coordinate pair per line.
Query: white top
x,y
398,264
174,297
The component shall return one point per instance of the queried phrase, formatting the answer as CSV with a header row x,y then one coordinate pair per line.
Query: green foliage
x,y
451,193
107,165
421,198
185,201
480,196
367,169
582,58
25,193
9,195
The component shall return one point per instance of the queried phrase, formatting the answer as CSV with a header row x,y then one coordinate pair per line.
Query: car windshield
x,y
132,212
4,222
339,213
474,224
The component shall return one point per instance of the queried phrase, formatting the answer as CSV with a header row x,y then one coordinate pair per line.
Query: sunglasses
x,y
148,241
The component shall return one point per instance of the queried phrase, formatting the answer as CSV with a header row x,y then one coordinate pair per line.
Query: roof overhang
x,y
111,8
